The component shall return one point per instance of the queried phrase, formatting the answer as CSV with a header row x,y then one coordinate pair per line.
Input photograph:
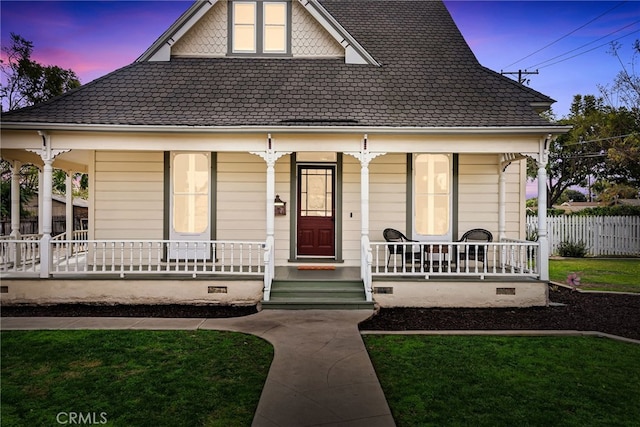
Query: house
x,y
256,142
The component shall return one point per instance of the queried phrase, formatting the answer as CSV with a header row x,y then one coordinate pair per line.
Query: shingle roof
x,y
428,78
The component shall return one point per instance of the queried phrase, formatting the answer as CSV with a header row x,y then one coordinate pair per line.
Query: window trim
x,y
452,195
213,162
259,30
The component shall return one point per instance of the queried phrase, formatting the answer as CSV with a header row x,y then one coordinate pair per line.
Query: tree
x,y
571,156
28,187
27,81
603,145
625,90
571,195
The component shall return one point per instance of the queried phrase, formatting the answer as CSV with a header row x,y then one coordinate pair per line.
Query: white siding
x,y
351,218
282,223
388,194
128,198
241,197
478,203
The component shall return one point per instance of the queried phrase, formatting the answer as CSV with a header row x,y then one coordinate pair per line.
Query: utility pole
x,y
520,73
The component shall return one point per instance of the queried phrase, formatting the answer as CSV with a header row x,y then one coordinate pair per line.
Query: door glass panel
x,y
190,193
316,189
432,194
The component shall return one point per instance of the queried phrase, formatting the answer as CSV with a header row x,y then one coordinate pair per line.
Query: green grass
x,y
132,378
621,275
508,381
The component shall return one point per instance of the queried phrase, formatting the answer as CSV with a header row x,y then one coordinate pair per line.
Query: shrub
x,y
619,210
572,249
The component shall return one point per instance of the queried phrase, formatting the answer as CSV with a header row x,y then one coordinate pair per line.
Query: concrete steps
x,y
317,294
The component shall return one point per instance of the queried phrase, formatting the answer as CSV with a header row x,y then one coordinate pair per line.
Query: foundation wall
x,y
177,291
458,294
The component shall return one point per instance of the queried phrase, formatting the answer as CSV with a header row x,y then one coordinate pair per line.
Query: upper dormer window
x,y
260,27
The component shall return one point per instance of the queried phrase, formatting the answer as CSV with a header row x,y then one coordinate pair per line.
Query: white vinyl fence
x,y
602,235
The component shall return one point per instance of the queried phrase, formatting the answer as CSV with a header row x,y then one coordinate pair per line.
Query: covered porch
x,y
263,259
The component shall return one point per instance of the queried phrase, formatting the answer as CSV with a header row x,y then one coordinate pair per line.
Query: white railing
x,y
129,257
601,235
20,256
269,267
508,258
366,258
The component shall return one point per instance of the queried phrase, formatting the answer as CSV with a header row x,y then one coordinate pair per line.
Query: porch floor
x,y
339,273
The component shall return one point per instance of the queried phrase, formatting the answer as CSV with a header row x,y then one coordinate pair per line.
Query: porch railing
x,y
128,257
20,256
131,257
515,258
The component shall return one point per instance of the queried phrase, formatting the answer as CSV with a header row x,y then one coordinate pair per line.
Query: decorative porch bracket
x,y
365,157
48,155
270,156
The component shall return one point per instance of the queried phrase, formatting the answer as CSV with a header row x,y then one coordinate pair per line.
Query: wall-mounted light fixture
x,y
280,207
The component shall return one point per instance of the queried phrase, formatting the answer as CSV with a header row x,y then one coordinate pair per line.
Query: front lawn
x,y
508,381
132,378
621,275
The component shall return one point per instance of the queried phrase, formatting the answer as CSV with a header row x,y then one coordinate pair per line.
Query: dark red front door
x,y
316,221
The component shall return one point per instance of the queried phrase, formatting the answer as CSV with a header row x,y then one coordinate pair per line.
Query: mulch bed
x,y
610,313
125,310
603,312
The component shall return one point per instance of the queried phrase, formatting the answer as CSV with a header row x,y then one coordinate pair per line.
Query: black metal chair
x,y
474,250
405,251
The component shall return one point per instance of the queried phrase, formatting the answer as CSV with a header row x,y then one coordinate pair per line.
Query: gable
x,y
430,78
204,31
209,36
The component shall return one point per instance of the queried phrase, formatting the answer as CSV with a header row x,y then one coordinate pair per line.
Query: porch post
x,y
365,157
15,200
69,206
47,220
40,199
543,240
270,156
48,155
502,204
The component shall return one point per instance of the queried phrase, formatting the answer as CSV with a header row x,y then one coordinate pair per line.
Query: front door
x,y
316,211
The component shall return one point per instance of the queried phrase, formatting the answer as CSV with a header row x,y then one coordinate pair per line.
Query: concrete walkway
x,y
321,374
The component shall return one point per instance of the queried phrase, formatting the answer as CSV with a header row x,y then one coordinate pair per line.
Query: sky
x,y
566,42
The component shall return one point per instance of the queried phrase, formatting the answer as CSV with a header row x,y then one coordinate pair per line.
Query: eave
x,y
409,130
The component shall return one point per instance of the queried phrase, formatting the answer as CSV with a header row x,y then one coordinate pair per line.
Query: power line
x,y
566,35
586,44
598,140
590,50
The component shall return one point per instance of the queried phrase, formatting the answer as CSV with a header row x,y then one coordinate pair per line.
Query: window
x,y
244,27
432,196
260,27
190,193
